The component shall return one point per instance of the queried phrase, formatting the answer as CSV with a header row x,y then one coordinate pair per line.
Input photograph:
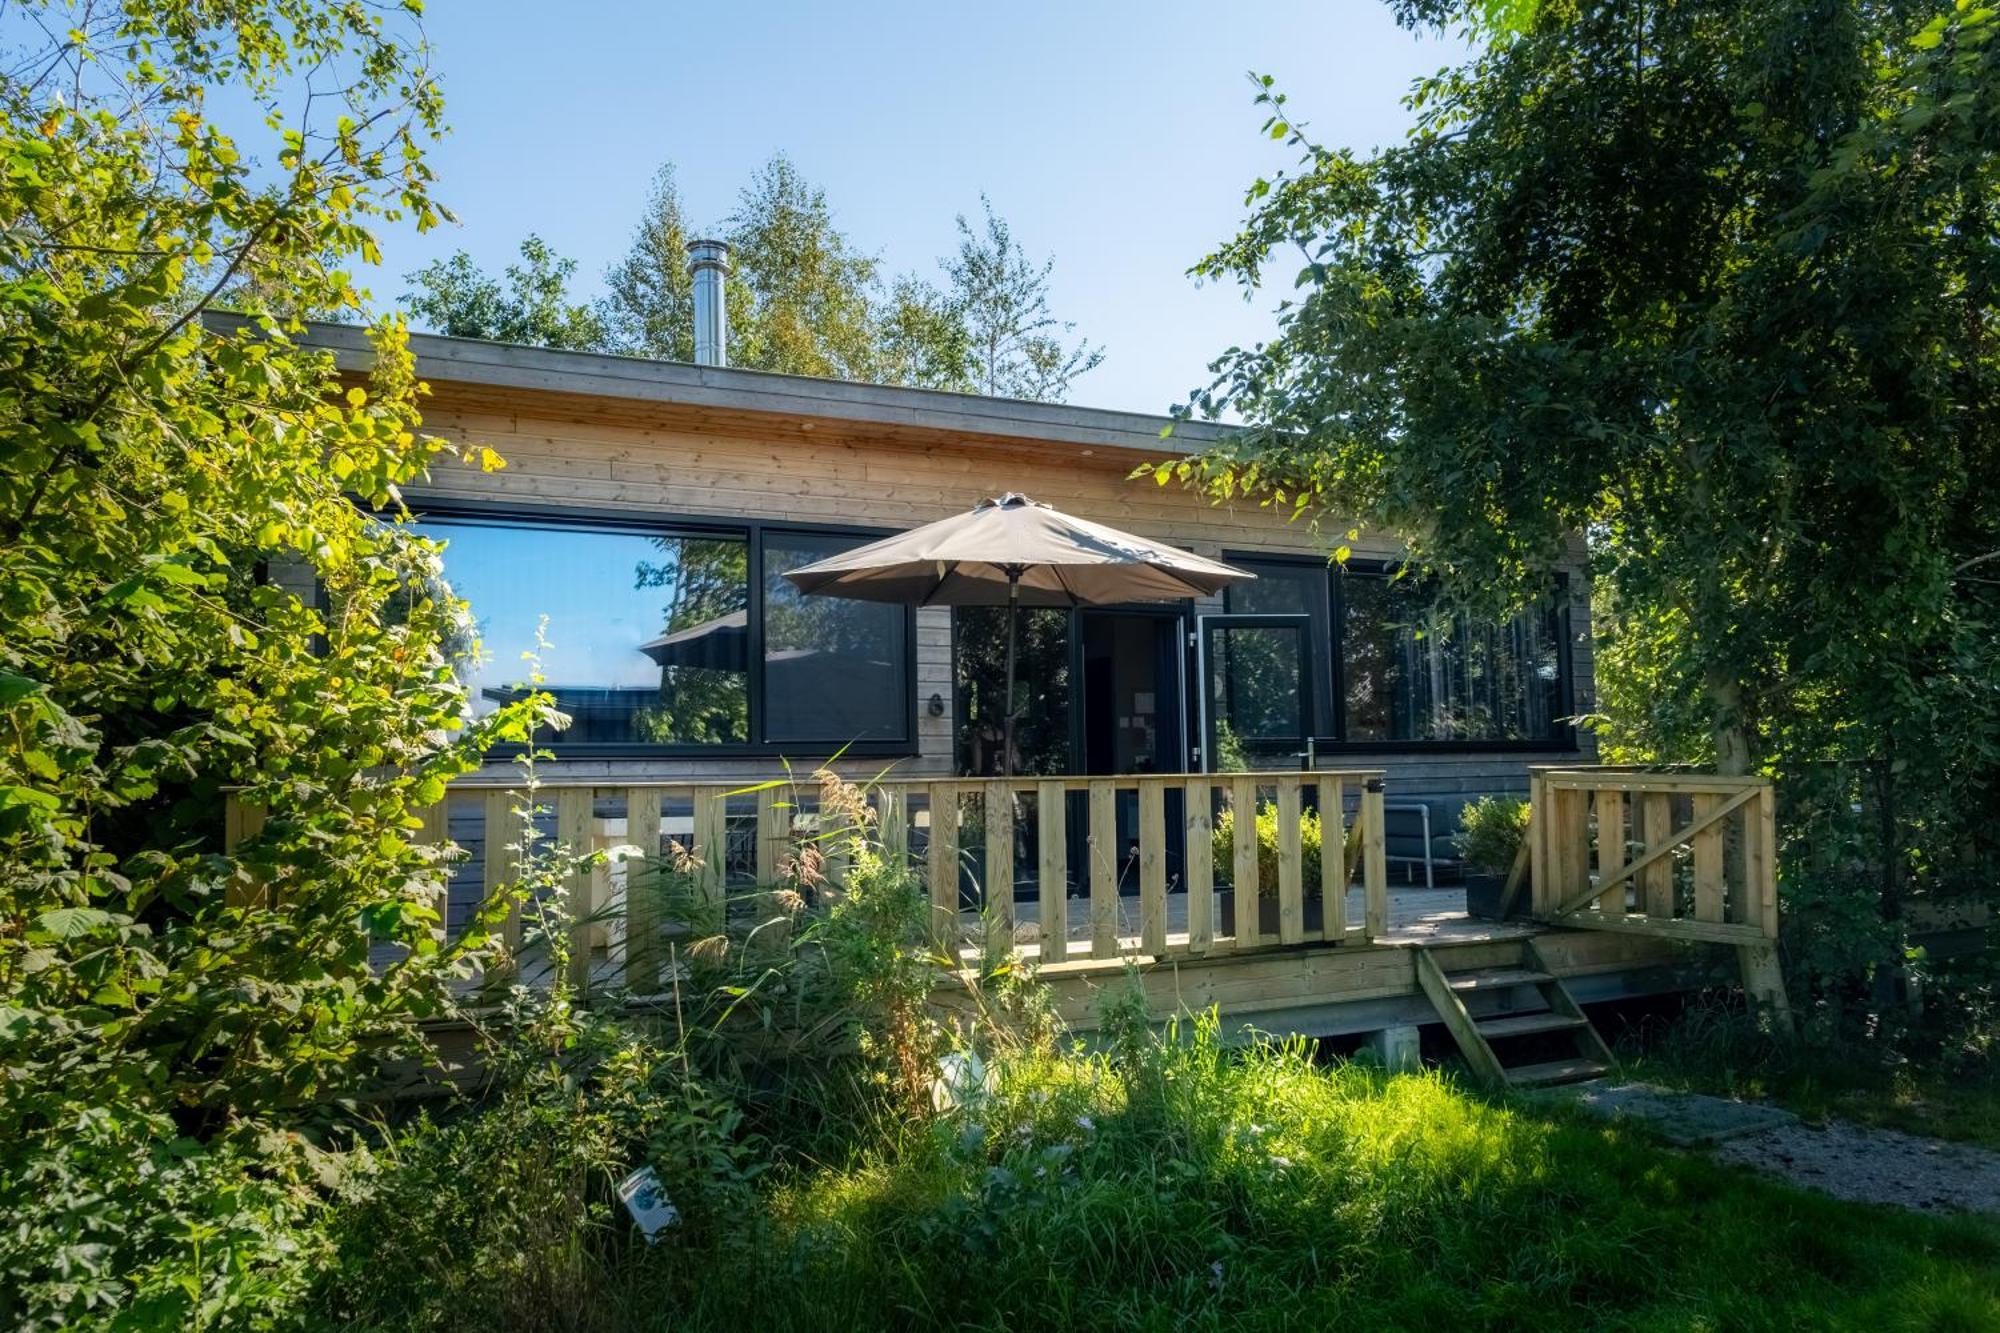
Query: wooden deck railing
x,y
1065,868
1686,855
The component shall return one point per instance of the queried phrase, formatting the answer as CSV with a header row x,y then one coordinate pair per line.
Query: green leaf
x,y
68,923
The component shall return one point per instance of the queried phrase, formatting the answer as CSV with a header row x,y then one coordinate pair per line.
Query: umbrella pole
x,y
1007,705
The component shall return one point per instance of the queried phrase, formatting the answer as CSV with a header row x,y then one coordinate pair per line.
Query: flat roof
x,y
638,379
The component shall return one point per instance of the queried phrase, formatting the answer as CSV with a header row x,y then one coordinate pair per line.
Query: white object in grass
x,y
646,1199
962,1080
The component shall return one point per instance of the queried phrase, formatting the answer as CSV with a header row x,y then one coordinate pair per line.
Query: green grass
x,y
1199,1188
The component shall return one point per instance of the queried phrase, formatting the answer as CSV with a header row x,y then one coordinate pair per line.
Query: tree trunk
x,y
1730,728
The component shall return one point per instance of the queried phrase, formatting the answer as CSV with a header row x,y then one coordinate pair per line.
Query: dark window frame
x,y
674,524
1329,676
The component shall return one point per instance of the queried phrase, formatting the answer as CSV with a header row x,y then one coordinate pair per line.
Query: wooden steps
x,y
1488,1043
1496,978
1553,1071
1525,1025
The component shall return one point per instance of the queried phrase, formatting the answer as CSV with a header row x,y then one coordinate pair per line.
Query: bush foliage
x,y
1224,839
173,1019
1490,833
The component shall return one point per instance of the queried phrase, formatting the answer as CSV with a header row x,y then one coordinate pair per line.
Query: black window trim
x,y
675,523
1566,740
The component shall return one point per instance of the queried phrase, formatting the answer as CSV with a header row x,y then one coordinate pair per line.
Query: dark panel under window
x,y
645,632
835,670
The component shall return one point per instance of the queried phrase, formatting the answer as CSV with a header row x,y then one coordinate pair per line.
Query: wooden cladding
x,y
1685,855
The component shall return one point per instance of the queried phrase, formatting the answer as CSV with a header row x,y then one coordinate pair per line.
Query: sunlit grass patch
x,y
1199,1187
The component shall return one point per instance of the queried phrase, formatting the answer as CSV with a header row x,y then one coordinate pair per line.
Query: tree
x,y
1002,297
649,307
804,300
809,309
924,339
455,297
1714,284
173,1012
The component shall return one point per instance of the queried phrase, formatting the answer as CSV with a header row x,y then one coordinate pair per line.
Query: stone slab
x,y
1689,1119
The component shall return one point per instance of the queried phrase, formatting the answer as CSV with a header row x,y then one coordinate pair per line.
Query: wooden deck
x,y
1416,916
1640,883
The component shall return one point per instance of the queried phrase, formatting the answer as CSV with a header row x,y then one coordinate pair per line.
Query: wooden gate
x,y
1680,855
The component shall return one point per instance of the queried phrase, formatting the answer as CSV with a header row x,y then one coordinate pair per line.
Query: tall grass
x,y
1199,1187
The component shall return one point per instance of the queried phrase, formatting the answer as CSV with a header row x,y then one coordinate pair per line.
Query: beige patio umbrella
x,y
1010,551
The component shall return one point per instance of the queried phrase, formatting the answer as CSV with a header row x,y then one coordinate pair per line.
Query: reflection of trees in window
x,y
1255,685
704,645
1041,689
1414,671
834,667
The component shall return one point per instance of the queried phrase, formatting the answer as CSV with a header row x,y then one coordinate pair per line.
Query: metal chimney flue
x,y
708,265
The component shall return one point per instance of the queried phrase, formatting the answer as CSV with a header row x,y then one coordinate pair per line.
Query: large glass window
x,y
1388,665
834,669
1258,691
650,640
1411,672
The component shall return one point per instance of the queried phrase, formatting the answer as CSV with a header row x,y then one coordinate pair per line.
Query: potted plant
x,y
1224,843
1491,831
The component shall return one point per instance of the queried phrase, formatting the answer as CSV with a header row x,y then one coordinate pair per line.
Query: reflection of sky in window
x,y
581,580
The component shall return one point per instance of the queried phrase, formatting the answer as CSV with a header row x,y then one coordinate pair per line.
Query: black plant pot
x,y
1313,913
1483,894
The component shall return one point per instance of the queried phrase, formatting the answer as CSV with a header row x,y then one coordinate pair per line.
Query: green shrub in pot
x,y
1491,831
1267,848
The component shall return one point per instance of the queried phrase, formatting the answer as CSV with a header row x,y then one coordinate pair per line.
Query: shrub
x,y
1224,839
192,602
1490,833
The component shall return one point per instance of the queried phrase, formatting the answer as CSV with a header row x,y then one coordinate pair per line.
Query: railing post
x,y
1243,868
1000,863
1291,865
500,868
1656,826
436,834
892,811
1051,834
1333,858
1200,862
1540,870
573,836
1153,866
711,845
1611,856
1102,843
1766,817
942,862
1375,862
241,822
642,893
1709,889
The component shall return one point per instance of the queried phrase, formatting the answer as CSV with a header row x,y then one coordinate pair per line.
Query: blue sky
x,y
1118,137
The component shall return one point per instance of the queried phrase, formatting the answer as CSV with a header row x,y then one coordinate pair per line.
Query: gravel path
x,y
1865,1165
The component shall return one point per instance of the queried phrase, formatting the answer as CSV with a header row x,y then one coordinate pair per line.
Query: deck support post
x,y
1396,1049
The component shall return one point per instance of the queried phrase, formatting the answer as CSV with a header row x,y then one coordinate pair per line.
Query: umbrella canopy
x,y
1011,550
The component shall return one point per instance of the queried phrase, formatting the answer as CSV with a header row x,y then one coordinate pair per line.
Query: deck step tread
x,y
1496,978
1554,1071
1522,1025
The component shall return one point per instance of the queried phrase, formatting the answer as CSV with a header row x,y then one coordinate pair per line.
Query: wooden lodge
x,y
647,510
